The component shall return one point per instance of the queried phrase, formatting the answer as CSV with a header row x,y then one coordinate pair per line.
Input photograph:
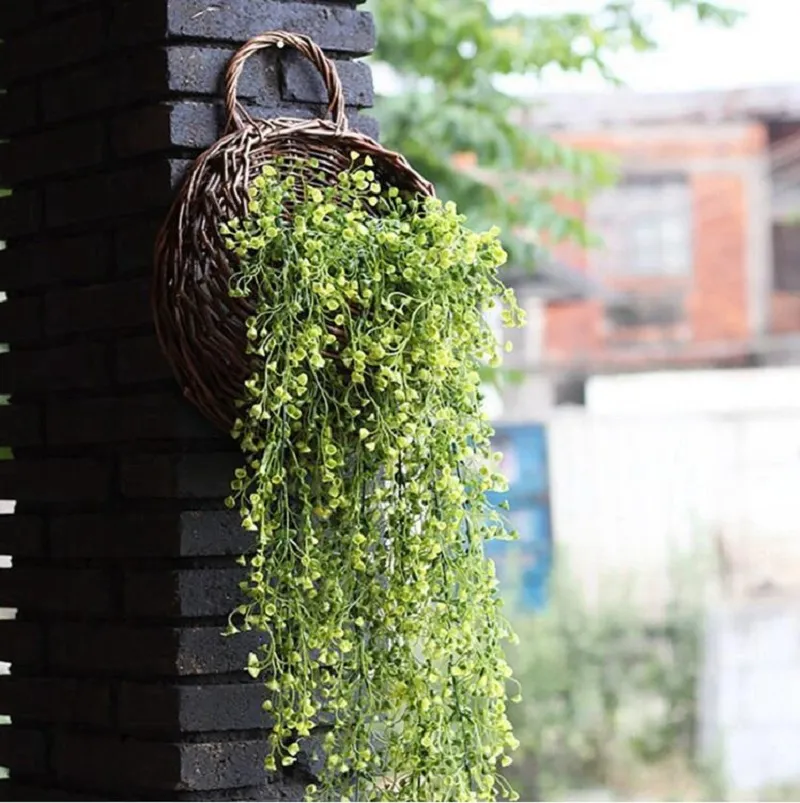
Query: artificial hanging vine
x,y
367,464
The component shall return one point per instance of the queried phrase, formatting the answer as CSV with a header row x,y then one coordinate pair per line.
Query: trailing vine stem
x,y
367,460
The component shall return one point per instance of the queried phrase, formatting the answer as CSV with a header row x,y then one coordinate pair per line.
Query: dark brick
x,y
124,419
183,592
207,475
65,95
22,643
111,576
92,649
20,213
216,765
310,761
59,259
134,244
365,124
101,306
20,425
135,22
56,591
199,71
140,359
149,476
21,536
15,16
116,83
52,480
143,476
191,533
21,791
56,44
63,150
277,787
61,700
140,76
18,109
212,532
110,195
190,476
23,750
80,365
120,536
103,762
170,710
20,320
57,6
151,129
102,649
339,28
197,125
181,124
302,82
203,650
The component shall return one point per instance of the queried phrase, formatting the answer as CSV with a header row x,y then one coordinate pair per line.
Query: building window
x,y
786,257
636,310
645,224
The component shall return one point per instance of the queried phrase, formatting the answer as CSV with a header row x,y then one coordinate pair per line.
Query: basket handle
x,y
238,116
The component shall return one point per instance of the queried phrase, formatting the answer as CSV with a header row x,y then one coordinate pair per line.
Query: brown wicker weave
x,y
200,327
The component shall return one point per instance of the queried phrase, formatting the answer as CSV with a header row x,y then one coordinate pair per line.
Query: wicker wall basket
x,y
200,327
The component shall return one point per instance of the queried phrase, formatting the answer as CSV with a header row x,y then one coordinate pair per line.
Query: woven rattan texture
x,y
200,327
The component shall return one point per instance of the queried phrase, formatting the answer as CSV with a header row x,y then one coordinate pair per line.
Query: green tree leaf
x,y
446,57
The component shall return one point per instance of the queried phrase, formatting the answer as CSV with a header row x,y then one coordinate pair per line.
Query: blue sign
x,y
524,565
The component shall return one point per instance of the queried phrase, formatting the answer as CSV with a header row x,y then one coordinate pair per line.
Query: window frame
x,y
618,255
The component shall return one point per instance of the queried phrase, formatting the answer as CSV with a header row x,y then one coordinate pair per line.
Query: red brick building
x,y
701,254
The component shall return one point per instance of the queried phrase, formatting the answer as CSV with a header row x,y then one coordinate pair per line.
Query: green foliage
x,y
607,686
367,465
448,55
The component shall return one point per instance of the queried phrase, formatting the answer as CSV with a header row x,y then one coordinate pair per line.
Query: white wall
x,y
627,494
712,391
663,464
749,706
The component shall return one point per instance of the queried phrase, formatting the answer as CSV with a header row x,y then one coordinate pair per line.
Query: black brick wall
x,y
123,560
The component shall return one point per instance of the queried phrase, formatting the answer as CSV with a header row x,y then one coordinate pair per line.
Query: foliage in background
x,y
447,56
608,689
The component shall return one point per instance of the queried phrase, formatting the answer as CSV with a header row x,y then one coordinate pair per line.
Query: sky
x,y
761,50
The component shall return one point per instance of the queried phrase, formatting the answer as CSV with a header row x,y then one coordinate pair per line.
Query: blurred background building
x,y
653,415
649,416
698,274
700,257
